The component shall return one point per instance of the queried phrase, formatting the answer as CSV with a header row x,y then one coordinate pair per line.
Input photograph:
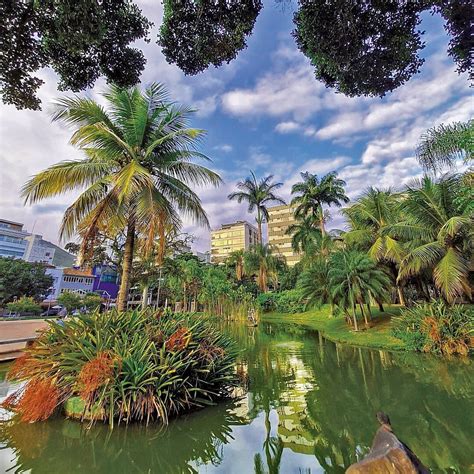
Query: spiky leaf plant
x,y
130,366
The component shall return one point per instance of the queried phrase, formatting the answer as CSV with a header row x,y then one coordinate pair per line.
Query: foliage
x,y
262,261
313,283
137,169
80,40
91,301
371,48
354,279
195,35
288,301
258,195
25,304
19,278
441,146
70,300
437,328
313,192
440,235
131,366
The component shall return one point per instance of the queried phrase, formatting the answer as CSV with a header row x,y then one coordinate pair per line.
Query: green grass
x,y
377,336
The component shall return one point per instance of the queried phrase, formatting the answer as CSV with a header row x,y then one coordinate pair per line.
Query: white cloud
x,y
287,127
225,147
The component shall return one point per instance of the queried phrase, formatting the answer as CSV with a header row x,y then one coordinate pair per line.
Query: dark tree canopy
x,y
81,40
19,278
198,33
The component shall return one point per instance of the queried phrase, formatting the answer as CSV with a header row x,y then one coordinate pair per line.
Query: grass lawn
x,y
377,336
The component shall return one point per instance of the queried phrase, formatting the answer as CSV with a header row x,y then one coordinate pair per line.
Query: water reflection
x,y
310,408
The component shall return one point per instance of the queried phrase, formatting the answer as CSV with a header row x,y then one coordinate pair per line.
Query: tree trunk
x,y
126,267
259,227
363,314
380,306
145,296
401,296
354,317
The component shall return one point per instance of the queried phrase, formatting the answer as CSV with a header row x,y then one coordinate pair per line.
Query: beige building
x,y
230,237
281,217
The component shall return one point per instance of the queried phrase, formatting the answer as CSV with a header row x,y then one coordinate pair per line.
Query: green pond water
x,y
309,408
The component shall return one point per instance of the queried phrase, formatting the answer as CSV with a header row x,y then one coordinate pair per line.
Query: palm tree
x,y
260,260
369,219
258,194
354,278
441,146
137,168
237,258
312,193
304,233
440,231
313,283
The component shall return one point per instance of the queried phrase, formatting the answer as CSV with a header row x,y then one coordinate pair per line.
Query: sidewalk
x,y
17,330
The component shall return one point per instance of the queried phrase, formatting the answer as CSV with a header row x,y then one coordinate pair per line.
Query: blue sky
x,y
265,112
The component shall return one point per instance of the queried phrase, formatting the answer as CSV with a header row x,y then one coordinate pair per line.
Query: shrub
x,y
132,366
91,301
24,305
436,328
288,301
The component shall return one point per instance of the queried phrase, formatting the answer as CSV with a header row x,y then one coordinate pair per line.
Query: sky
x,y
265,112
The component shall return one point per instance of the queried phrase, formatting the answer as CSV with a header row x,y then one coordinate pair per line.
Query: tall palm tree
x,y
136,171
440,230
443,145
259,194
312,193
354,278
369,219
262,261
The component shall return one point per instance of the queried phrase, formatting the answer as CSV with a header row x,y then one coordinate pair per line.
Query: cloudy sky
x,y
265,112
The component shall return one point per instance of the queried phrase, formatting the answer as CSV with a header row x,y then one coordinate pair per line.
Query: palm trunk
x,y
259,226
145,296
401,296
363,313
126,267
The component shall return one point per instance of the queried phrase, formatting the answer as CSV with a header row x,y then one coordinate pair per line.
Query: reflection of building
x,y
239,235
12,239
72,280
281,217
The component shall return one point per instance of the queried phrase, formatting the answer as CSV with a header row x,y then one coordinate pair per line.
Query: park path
x,y
11,330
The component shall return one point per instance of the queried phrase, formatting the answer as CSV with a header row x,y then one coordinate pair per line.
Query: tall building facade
x,y
228,238
13,241
38,250
281,217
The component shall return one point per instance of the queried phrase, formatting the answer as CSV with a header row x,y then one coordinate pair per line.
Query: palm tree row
x,y
136,174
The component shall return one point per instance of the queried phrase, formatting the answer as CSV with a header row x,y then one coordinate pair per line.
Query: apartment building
x,y
13,241
238,235
38,250
73,280
281,217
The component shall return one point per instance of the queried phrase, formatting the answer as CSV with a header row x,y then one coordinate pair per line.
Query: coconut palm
x,y
262,261
259,194
440,231
369,219
313,283
136,171
443,145
236,258
312,193
354,278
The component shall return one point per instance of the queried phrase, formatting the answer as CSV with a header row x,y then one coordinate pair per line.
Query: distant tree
x,y
313,192
71,301
72,247
91,301
80,40
304,232
19,278
236,259
258,194
262,261
443,145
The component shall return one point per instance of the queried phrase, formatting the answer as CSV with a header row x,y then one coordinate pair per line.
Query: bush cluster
x,y
288,301
436,328
24,304
131,366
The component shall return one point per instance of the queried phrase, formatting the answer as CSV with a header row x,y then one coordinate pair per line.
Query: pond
x,y
310,408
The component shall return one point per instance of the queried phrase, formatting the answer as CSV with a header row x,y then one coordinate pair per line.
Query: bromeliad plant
x,y
131,366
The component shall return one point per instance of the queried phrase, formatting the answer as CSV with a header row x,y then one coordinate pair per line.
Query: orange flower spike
x,y
95,373
38,401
